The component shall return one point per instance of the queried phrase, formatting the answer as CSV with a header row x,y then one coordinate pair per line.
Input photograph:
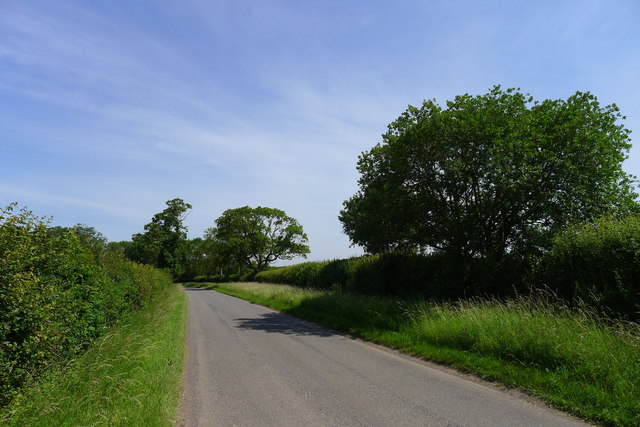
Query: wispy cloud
x,y
23,195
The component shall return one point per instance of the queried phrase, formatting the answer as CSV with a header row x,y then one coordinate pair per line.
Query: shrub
x,y
57,294
598,262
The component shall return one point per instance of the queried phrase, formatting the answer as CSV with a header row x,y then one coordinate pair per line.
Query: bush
x,y
57,294
599,263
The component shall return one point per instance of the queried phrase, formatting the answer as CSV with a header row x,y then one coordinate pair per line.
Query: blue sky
x,y
109,109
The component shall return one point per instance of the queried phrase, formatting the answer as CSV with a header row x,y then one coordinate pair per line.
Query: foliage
x,y
203,258
489,175
123,247
304,275
598,262
161,243
194,260
88,236
395,273
256,237
57,293
130,376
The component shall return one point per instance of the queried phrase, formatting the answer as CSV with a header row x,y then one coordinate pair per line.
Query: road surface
x,y
251,366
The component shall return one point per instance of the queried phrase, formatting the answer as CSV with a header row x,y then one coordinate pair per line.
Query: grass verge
x,y
570,358
131,376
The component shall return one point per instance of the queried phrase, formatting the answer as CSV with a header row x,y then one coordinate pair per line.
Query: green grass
x,y
132,376
571,358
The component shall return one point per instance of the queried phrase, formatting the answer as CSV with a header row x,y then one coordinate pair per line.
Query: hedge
x,y
57,295
599,263
402,274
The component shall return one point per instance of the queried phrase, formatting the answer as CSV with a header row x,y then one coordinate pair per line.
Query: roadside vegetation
x,y
130,376
595,265
87,336
60,289
568,356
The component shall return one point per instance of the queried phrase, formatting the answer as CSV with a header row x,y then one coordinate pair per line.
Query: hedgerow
x,y
402,274
57,294
598,263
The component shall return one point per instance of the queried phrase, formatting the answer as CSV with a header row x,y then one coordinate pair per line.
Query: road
x,y
251,366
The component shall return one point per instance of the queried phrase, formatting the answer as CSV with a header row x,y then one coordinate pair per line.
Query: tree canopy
x,y
489,174
163,237
256,237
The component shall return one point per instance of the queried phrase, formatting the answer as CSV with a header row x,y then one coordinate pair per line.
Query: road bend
x,y
248,365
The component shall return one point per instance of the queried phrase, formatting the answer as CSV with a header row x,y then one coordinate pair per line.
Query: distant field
x,y
570,358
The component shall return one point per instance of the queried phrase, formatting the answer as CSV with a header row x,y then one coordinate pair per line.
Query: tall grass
x,y
574,358
131,376
570,357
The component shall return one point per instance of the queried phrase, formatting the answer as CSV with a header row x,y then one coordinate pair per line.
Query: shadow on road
x,y
283,324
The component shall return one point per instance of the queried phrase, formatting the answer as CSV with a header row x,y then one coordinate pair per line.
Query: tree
x,y
123,247
256,237
200,257
91,238
489,175
163,237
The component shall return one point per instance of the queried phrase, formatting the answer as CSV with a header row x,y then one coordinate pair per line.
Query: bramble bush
x,y
58,293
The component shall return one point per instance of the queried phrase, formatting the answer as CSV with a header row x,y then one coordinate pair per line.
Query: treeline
x,y
244,241
60,288
492,195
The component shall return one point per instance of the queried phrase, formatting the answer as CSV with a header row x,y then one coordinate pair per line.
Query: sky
x,y
109,109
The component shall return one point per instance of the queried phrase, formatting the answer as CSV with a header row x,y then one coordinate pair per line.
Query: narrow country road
x,y
251,366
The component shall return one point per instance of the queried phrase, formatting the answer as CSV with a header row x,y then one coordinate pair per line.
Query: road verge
x,y
131,376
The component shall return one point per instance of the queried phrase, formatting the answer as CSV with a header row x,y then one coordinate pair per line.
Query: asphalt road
x,y
251,366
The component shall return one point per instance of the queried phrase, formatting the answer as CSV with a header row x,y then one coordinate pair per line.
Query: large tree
x,y
256,237
163,237
489,174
